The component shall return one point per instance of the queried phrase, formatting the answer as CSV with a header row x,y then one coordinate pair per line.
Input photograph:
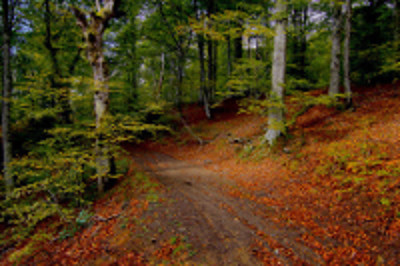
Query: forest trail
x,y
222,229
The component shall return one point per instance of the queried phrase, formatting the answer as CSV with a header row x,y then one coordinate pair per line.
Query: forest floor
x,y
328,194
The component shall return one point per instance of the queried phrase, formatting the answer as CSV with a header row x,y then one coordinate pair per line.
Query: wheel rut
x,y
223,229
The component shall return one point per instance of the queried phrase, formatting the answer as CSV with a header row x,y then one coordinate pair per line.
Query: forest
x,y
200,132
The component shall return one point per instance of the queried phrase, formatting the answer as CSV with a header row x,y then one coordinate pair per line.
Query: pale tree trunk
x,y
275,113
93,31
101,101
335,51
7,88
346,55
203,94
200,43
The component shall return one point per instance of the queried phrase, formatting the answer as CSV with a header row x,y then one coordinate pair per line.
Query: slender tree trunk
x,y
178,91
161,79
229,55
249,48
396,23
215,69
210,58
210,70
258,54
275,113
203,88
346,55
7,88
298,39
304,40
132,75
335,52
200,43
238,43
63,91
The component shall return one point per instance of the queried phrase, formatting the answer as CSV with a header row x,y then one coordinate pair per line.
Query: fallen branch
x,y
102,219
188,128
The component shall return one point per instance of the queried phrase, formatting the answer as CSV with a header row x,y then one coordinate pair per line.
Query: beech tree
x,y
275,111
335,50
337,18
93,25
346,54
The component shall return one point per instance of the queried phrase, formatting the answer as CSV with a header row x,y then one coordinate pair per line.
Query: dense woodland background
x,y
80,78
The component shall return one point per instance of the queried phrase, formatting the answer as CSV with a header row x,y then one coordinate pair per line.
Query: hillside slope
x,y
329,194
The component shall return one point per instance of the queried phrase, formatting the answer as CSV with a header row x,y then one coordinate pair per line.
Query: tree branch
x,y
81,18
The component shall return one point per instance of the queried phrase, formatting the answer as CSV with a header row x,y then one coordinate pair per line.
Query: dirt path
x,y
221,228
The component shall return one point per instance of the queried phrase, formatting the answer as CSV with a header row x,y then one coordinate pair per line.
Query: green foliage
x,y
385,202
83,218
248,78
18,255
318,58
36,240
54,177
371,44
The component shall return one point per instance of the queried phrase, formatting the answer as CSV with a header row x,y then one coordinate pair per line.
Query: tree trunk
x,y
7,88
93,31
303,41
346,54
101,101
215,68
396,23
249,47
204,97
238,48
61,89
178,91
200,43
229,55
161,79
275,113
210,69
335,52
211,60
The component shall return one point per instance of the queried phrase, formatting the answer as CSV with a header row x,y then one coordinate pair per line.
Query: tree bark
x,y
210,70
204,97
178,91
275,113
238,44
7,89
200,44
335,52
346,55
229,55
396,33
161,79
215,68
93,31
210,57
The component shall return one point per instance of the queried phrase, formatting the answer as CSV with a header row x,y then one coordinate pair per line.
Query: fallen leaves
x,y
340,182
